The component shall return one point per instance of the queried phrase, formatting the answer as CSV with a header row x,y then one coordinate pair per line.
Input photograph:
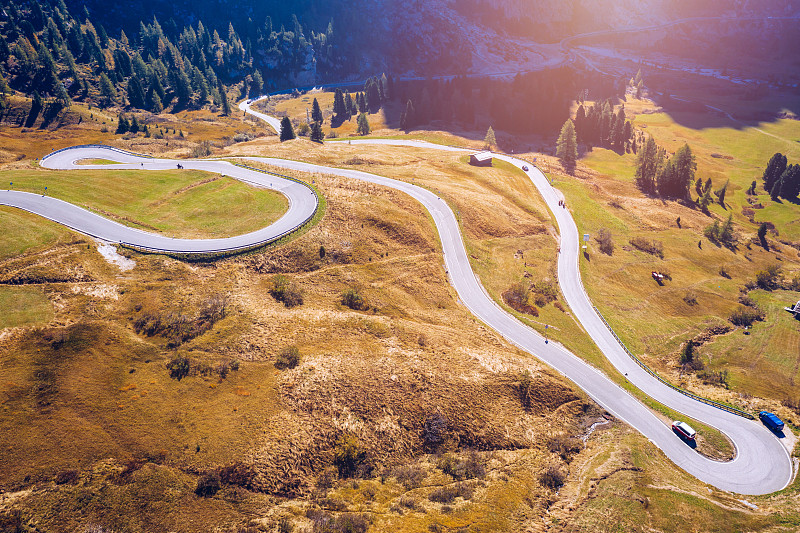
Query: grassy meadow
x,y
706,279
188,203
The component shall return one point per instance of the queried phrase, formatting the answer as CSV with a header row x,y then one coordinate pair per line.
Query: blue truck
x,y
771,421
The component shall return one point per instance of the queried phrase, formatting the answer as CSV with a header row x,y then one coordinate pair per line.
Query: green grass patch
x,y
177,203
97,162
25,232
23,306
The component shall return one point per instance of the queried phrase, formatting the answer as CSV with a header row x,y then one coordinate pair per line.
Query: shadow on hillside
x,y
736,109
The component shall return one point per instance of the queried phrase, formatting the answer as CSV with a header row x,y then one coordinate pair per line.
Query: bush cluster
x,y
286,291
289,358
179,328
410,476
470,467
650,247
349,457
553,477
323,522
352,299
450,493
434,431
745,316
208,485
566,447
605,242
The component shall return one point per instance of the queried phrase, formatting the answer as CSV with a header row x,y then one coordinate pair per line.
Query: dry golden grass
x,y
92,394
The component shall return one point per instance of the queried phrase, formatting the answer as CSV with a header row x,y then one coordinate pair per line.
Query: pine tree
x,y
134,128
122,125
726,231
316,112
489,142
648,162
316,132
704,201
135,93
363,124
107,90
339,106
698,186
226,105
408,118
775,193
567,144
580,123
775,168
720,193
790,182
287,131
373,95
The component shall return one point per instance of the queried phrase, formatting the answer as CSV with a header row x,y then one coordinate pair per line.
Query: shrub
x,y
286,291
469,468
353,300
517,298
323,522
410,476
239,474
687,352
770,278
408,502
544,292
714,378
650,247
303,129
524,388
566,447
724,273
604,240
450,493
349,456
690,298
434,431
552,478
242,137
745,316
289,357
285,525
202,149
178,367
67,477
559,306
208,485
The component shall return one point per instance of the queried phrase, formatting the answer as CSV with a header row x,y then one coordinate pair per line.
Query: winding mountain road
x,y
302,203
761,466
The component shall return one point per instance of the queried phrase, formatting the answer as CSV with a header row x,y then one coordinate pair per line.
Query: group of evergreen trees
x,y
601,126
534,102
657,174
45,50
782,180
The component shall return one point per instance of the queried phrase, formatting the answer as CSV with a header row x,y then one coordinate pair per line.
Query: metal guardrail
x,y
219,251
650,371
105,146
